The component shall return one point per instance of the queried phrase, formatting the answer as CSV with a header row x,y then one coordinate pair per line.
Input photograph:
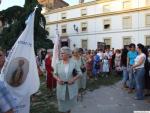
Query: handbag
x,y
74,72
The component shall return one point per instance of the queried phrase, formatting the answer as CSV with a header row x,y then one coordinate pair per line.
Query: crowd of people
x,y
132,63
76,67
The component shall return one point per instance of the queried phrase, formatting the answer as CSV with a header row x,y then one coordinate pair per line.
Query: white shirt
x,y
66,70
100,54
108,54
137,59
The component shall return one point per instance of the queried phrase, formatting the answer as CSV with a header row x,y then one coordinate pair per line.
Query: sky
x,y
8,3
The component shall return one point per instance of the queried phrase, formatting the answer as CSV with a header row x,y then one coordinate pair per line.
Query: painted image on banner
x,y
17,73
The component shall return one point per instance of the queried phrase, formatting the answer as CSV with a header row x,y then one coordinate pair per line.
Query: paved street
x,y
110,99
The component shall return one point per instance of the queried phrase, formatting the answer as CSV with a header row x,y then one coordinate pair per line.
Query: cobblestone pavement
x,y
110,99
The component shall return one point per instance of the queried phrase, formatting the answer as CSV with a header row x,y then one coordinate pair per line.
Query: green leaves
x,y
15,17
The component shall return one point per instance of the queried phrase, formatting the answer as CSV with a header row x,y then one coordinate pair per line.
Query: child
x,y
106,66
118,60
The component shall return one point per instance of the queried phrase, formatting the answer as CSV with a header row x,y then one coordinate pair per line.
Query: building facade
x,y
115,22
52,4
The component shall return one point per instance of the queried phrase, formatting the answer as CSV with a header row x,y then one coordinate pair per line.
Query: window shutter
x,y
127,22
148,20
147,40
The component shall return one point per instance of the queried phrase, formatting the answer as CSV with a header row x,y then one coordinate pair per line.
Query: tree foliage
x,y
15,17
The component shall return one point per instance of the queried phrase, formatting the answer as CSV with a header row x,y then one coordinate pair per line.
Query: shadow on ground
x,y
45,102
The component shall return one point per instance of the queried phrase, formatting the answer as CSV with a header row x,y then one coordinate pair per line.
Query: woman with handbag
x,y
66,72
81,63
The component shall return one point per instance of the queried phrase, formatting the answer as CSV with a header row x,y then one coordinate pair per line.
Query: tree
x,y
15,17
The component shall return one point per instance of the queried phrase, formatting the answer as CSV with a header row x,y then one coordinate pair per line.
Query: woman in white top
x,y
139,72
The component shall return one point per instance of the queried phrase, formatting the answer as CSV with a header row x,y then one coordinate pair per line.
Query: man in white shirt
x,y
100,54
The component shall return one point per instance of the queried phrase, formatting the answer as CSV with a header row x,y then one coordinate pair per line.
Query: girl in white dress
x,y
106,66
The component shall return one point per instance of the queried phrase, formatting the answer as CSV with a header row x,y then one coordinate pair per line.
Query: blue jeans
x,y
131,78
125,75
139,80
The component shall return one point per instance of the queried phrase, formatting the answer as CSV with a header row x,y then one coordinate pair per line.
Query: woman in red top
x,y
51,82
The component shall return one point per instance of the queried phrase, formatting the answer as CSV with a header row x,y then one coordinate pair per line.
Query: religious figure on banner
x,y
17,74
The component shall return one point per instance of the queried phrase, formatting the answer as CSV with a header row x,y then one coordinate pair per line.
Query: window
x,y
84,26
147,2
107,24
84,44
106,8
101,45
147,20
64,29
83,12
63,16
148,40
126,4
126,41
107,41
127,22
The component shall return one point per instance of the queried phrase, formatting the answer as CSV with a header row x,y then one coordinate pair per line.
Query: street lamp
x,y
74,45
75,28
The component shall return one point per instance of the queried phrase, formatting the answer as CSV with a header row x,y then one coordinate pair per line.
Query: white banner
x,y
24,106
20,72
56,50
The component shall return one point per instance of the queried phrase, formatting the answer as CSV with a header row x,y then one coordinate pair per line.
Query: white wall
x,y
116,39
95,25
94,9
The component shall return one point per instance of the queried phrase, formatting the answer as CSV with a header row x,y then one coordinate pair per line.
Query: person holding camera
x,y
66,72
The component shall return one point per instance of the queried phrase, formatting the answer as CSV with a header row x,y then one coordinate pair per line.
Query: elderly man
x,y
6,100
